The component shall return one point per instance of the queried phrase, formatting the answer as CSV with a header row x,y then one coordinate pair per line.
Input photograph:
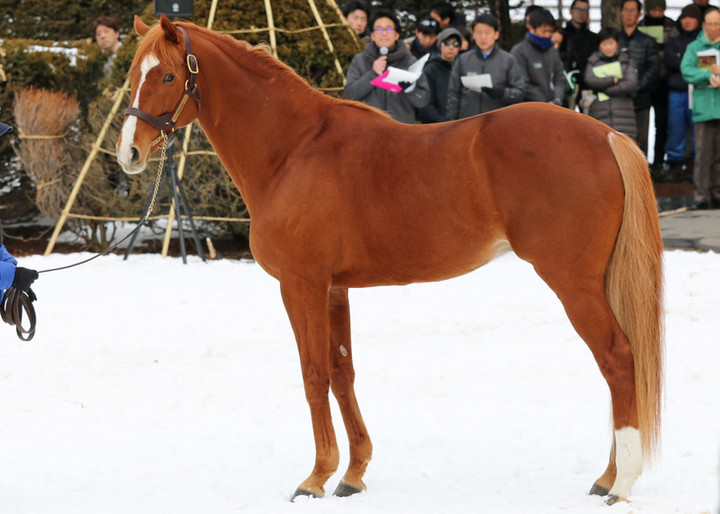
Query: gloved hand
x,y
493,92
404,85
24,278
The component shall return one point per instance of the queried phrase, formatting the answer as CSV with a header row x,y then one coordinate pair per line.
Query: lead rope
x,y
15,302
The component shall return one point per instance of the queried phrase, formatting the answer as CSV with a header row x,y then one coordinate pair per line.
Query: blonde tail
x,y
634,286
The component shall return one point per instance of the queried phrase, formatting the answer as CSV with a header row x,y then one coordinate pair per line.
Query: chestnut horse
x,y
342,196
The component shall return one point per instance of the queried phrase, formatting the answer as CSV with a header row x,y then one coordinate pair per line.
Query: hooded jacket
x,y
618,110
644,53
674,49
401,106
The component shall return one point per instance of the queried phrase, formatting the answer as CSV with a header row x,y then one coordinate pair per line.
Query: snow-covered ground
x,y
157,387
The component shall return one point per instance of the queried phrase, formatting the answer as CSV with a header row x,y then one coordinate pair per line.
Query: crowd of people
x,y
616,75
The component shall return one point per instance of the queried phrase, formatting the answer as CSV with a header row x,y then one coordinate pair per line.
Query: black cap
x,y
428,26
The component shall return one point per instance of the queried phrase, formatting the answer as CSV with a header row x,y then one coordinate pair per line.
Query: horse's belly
x,y
424,263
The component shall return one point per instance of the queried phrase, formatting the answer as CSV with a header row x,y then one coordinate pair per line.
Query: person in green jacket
x,y
705,80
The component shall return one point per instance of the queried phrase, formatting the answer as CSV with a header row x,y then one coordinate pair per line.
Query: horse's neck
x,y
253,113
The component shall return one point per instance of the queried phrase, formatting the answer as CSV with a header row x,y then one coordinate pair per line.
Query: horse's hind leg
x,y
589,312
342,378
306,303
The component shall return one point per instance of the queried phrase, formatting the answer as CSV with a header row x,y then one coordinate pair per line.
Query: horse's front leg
x,y
342,380
306,302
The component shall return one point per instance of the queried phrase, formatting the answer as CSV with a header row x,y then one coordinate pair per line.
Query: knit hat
x,y
448,33
691,11
652,4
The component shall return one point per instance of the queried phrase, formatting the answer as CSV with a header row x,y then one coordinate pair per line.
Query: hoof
x,y
344,489
599,490
612,500
303,492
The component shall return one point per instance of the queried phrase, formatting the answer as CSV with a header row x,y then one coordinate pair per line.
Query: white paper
x,y
413,73
477,82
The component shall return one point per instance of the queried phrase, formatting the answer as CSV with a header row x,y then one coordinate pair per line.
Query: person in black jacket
x,y
680,122
579,42
437,71
643,51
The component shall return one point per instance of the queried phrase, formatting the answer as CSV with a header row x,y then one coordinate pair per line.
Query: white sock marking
x,y
628,459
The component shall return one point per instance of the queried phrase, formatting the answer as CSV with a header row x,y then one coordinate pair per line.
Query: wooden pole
x,y
271,28
119,96
320,23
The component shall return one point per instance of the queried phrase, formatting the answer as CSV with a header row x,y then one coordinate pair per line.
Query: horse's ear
x,y
171,32
140,27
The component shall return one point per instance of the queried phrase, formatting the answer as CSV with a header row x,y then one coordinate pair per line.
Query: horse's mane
x,y
154,42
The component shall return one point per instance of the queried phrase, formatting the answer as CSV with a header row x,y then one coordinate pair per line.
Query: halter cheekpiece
x,y
166,122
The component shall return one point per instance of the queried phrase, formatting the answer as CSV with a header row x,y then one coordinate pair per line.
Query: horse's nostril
x,y
134,154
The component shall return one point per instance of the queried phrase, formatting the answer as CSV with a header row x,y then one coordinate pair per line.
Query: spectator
x,y
705,113
106,32
437,72
540,61
426,35
10,274
679,114
613,87
655,17
466,42
446,16
644,53
370,63
579,42
703,5
530,9
486,58
356,13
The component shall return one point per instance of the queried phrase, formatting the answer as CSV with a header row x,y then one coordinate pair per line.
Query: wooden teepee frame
x,y
122,94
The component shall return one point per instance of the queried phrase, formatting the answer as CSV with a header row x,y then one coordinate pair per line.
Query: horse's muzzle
x,y
128,156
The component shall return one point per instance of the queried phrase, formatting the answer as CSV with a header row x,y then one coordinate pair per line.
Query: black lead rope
x,y
16,302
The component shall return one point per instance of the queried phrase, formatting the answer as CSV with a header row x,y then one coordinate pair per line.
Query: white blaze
x,y
127,136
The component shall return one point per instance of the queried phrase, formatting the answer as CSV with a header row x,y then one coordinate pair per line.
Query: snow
x,y
153,386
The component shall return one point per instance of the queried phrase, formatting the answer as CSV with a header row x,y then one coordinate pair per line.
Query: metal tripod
x,y
181,205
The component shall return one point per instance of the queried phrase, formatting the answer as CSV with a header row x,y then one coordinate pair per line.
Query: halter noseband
x,y
166,122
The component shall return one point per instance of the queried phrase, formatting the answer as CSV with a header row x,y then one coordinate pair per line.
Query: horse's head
x,y
162,78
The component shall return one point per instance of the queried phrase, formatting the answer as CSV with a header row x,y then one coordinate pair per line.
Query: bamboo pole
x,y
120,95
211,16
320,23
271,28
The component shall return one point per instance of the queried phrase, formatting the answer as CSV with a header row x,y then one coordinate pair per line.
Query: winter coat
x,y
705,98
437,71
618,111
401,106
543,69
669,30
643,52
7,270
674,50
506,75
578,45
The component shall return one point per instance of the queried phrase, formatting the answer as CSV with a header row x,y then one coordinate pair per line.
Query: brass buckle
x,y
192,64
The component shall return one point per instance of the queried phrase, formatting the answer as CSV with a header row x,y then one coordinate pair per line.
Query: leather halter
x,y
166,122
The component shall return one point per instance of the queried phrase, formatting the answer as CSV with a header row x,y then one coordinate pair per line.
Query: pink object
x,y
379,81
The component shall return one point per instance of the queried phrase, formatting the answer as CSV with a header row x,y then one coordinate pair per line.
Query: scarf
x,y
543,42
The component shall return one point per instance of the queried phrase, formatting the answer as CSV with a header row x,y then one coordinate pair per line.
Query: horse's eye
x,y
169,78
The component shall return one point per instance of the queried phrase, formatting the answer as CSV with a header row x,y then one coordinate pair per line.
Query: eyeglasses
x,y
581,9
456,44
386,30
